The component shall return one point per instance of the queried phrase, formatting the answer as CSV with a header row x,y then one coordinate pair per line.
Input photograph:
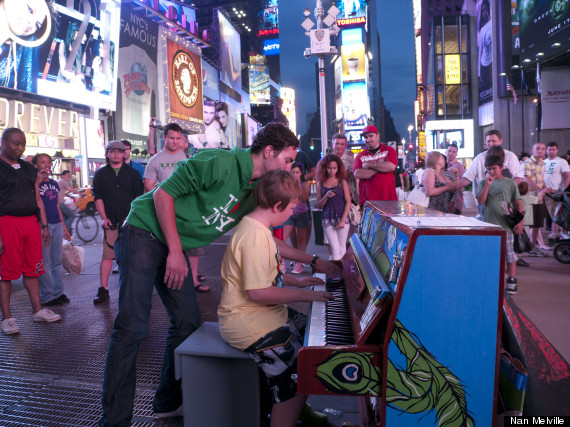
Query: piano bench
x,y
220,384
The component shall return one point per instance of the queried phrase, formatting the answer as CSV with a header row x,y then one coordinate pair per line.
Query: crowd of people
x,y
157,219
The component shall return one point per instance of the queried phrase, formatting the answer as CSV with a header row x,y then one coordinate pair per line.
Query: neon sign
x,y
361,20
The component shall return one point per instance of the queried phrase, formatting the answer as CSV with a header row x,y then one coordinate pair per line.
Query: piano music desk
x,y
220,384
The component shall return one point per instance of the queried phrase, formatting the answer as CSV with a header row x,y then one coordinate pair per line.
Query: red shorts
x,y
22,237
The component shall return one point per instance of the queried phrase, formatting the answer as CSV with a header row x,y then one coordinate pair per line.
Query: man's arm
x,y
566,177
176,266
150,145
364,173
382,167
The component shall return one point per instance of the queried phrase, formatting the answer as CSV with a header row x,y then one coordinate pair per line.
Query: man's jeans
x,y
142,261
51,282
68,216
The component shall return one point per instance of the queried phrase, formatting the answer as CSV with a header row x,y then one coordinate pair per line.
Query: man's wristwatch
x,y
314,261
44,227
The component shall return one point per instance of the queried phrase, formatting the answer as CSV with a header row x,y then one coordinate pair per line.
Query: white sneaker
x,y
9,326
536,252
298,268
45,315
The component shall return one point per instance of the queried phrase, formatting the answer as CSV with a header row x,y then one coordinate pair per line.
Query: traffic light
x,y
410,146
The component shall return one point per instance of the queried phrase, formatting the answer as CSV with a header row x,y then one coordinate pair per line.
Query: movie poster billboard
x,y
222,127
485,52
184,83
259,87
544,27
230,53
68,51
137,77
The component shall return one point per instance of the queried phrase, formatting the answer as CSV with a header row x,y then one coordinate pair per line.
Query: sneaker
x,y
306,265
115,270
512,285
178,412
298,268
45,315
536,252
313,418
9,326
102,295
522,263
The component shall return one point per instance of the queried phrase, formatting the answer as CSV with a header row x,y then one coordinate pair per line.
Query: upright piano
x,y
414,329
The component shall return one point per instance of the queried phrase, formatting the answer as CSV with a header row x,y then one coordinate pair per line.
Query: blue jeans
x,y
51,282
68,216
142,261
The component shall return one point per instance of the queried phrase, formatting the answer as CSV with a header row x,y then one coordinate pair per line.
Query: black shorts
x,y
276,355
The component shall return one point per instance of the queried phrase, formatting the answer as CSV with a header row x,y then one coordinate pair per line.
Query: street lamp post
x,y
410,129
320,46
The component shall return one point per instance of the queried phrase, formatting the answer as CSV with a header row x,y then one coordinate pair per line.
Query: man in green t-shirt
x,y
204,198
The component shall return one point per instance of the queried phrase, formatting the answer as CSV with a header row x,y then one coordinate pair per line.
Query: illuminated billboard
x,y
259,87
355,105
288,97
271,47
268,17
66,54
230,53
352,8
353,62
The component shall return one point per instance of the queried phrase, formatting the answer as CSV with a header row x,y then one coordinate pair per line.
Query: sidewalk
x,y
51,374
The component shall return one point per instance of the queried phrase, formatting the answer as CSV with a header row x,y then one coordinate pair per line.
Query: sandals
x,y
202,289
201,277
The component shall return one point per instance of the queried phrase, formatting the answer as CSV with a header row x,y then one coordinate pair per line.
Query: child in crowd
x,y
495,192
333,197
300,220
253,313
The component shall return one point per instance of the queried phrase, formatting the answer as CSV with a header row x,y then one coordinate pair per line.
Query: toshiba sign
x,y
348,22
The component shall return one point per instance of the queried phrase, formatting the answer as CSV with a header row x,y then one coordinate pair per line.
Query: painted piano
x,y
414,330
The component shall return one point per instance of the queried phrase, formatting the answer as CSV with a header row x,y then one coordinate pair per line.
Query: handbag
x,y
418,196
522,243
354,215
513,216
512,383
72,257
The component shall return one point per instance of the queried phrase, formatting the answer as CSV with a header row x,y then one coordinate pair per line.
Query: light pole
x,y
320,46
410,129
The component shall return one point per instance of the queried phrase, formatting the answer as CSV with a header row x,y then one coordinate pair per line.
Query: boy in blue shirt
x,y
496,192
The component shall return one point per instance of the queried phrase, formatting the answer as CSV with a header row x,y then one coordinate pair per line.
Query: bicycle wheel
x,y
87,228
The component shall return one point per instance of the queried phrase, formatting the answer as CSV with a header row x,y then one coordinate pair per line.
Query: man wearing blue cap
x,y
374,167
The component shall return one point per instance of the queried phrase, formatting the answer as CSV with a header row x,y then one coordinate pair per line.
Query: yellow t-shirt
x,y
250,262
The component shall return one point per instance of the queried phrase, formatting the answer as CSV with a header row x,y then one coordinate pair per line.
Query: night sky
x,y
397,51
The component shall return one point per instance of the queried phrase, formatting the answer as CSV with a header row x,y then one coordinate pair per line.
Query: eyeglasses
x,y
115,151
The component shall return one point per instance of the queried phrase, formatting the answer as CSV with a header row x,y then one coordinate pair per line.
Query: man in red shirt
x,y
374,167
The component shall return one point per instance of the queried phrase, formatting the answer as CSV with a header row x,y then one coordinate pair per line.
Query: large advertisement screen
x,y
352,8
259,87
64,49
485,51
230,53
137,76
288,97
544,27
184,83
355,105
268,16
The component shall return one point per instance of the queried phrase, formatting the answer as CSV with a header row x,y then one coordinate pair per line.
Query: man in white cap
x,y
115,186
374,167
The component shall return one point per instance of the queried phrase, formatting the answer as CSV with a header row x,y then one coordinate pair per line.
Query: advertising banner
x,y
353,63
184,83
555,98
222,127
137,75
95,134
452,70
62,50
268,16
485,52
338,89
352,8
356,108
230,53
288,97
259,87
544,27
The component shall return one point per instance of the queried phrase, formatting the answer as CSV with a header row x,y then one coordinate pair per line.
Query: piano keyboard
x,y
329,323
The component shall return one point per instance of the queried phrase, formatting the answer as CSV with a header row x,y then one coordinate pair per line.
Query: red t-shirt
x,y
381,186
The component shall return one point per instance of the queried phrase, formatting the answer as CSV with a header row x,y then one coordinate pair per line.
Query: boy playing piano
x,y
253,313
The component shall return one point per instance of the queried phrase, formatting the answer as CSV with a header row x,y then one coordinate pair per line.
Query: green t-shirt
x,y
212,192
502,190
